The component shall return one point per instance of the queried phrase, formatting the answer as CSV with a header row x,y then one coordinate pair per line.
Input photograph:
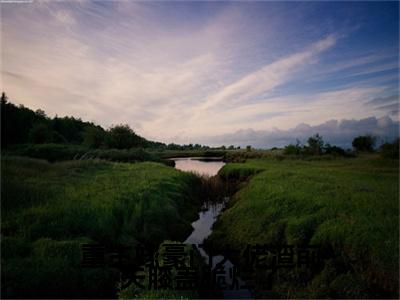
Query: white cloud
x,y
63,16
336,132
268,77
129,63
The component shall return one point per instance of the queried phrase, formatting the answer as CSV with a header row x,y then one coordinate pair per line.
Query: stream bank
x,y
346,208
217,192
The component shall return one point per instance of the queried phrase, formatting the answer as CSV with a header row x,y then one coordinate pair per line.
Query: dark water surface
x,y
208,215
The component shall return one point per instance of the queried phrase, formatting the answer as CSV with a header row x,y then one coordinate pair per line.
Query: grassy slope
x,y
49,209
349,204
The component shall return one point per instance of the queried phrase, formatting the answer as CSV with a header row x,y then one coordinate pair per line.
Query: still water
x,y
209,167
208,215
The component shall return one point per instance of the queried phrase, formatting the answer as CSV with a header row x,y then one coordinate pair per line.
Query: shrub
x,y
51,152
315,144
292,149
123,137
334,150
390,150
364,143
94,137
58,152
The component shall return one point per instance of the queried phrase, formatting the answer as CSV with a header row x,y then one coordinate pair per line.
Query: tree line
x,y
21,125
364,143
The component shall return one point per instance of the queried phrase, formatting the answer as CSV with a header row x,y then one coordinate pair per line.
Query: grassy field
x,y
64,152
48,210
349,206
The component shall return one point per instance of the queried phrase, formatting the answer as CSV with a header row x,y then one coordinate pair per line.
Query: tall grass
x,y
49,210
63,152
348,206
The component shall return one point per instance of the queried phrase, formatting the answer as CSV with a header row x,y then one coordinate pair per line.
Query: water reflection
x,y
198,165
202,228
210,211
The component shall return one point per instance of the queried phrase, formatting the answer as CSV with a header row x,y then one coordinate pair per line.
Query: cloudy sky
x,y
260,73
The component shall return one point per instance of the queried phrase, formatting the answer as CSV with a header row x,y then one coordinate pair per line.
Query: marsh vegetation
x,y
66,182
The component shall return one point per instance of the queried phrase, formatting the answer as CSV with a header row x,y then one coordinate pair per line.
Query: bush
x,y
315,147
364,143
292,149
58,152
334,150
315,144
94,137
51,152
123,137
390,150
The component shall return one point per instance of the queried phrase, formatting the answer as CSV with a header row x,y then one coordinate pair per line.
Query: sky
x,y
241,73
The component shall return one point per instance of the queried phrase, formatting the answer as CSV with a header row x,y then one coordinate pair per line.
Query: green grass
x,y
64,152
348,205
48,210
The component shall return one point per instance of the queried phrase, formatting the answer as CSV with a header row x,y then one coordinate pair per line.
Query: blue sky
x,y
261,73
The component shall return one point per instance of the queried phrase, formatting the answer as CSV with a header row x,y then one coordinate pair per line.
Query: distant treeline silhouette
x,y
21,125
363,143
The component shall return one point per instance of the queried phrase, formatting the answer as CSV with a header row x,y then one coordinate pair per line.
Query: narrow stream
x,y
208,215
210,211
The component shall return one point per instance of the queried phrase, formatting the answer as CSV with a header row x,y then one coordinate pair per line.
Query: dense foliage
x,y
364,143
390,150
21,125
315,146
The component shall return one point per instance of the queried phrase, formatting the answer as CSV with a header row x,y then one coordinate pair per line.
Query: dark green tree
x,y
94,136
390,150
16,122
315,144
292,149
4,98
334,150
41,113
41,133
364,143
123,137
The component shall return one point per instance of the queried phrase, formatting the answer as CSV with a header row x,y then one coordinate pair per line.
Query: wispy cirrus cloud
x,y
286,111
269,76
383,100
182,71
389,105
